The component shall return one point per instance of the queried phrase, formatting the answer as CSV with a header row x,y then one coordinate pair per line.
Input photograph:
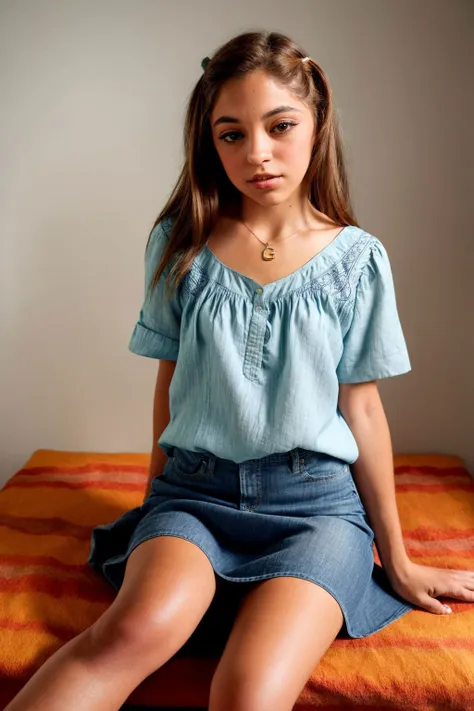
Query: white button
x,y
258,308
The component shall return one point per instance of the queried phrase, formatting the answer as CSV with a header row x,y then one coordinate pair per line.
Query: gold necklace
x,y
269,252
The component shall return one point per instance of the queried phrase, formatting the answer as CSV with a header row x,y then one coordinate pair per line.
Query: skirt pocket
x,y
330,481
185,464
317,466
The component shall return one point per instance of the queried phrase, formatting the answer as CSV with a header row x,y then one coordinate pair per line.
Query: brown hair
x,y
203,186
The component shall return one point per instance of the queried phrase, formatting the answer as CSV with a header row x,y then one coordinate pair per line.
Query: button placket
x,y
256,336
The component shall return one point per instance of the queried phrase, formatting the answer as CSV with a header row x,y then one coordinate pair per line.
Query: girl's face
x,y
249,140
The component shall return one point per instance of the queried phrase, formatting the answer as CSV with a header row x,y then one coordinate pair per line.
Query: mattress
x,y
49,594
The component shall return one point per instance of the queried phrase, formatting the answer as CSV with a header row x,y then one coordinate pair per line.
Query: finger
x,y
435,606
462,593
461,575
468,581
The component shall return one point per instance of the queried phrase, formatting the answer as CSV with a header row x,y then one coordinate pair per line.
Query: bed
x,y
49,594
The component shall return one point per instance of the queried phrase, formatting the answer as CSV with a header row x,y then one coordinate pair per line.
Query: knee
x,y
129,630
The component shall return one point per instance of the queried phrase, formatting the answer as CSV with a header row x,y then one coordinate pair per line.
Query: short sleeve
x,y
374,346
156,333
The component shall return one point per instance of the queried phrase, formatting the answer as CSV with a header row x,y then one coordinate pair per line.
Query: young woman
x,y
273,315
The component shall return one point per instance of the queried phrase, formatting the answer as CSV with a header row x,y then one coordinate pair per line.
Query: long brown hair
x,y
203,187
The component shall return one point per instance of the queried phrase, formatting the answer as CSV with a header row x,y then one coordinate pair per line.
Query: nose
x,y
258,149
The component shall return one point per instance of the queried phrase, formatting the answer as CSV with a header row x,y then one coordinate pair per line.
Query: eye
x,y
237,133
285,123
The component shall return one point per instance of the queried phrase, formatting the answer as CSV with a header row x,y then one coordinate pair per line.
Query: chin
x,y
266,197
267,200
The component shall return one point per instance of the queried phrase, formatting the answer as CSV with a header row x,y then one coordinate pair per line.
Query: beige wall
x,y
93,97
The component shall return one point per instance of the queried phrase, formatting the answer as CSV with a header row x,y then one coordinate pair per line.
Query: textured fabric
x,y
258,367
294,514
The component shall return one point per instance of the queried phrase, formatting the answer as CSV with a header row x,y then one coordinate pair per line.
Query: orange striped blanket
x,y
49,594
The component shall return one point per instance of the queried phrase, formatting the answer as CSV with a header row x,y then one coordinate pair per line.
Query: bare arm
x,y
373,471
161,418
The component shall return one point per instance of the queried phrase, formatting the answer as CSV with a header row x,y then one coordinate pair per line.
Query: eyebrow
x,y
278,110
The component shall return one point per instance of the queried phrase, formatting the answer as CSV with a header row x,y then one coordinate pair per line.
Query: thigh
x,y
168,585
283,628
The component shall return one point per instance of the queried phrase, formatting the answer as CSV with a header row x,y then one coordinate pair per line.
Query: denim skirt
x,y
294,514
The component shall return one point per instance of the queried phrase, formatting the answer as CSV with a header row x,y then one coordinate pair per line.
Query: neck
x,y
273,222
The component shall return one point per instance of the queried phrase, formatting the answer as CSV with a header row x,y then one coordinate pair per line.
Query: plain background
x,y
93,97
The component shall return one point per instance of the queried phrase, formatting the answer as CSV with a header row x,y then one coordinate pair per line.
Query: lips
x,y
263,176
267,183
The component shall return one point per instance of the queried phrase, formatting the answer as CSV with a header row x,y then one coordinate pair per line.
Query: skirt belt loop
x,y
211,463
296,460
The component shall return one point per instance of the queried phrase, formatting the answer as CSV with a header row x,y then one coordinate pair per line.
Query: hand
x,y
421,584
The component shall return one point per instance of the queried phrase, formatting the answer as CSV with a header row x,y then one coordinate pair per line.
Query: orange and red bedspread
x,y
49,594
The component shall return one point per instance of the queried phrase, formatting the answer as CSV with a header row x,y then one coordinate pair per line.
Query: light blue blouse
x,y
258,367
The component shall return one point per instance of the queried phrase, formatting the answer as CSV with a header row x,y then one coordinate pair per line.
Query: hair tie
x,y
206,61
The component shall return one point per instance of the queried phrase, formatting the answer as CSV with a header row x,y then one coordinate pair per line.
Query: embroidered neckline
x,y
283,279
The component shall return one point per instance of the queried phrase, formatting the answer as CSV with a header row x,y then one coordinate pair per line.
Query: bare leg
x,y
169,584
283,628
